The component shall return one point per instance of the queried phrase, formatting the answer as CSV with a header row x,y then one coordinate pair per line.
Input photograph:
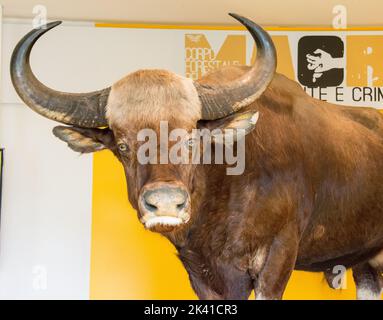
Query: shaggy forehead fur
x,y
151,95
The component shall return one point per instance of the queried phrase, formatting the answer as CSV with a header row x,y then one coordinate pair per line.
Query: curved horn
x,y
79,109
222,99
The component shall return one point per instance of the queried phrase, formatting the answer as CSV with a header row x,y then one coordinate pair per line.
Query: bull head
x,y
110,119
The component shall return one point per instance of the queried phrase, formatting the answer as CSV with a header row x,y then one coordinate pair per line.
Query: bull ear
x,y
234,127
85,140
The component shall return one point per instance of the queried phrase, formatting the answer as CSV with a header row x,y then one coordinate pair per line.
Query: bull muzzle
x,y
164,206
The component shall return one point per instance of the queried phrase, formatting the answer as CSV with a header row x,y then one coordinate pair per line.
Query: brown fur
x,y
310,197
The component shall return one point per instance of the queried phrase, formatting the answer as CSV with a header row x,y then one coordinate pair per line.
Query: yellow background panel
x,y
128,262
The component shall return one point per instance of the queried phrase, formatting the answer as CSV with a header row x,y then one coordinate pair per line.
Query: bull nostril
x,y
150,207
181,206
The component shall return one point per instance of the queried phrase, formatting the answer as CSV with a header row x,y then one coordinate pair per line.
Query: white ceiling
x,y
265,12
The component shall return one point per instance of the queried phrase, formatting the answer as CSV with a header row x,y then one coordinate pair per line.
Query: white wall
x,y
46,213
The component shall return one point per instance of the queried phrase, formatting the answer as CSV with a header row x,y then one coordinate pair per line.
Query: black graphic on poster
x,y
320,61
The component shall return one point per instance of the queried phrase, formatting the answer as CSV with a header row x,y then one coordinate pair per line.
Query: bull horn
x,y
221,99
78,109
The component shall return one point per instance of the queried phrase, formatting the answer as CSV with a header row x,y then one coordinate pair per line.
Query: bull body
x,y
310,198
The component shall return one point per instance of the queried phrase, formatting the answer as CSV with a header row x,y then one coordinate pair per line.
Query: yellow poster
x,y
128,262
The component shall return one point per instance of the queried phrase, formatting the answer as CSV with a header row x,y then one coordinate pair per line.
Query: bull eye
x,y
122,147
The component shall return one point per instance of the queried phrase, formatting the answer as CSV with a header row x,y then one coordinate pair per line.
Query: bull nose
x,y
165,201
